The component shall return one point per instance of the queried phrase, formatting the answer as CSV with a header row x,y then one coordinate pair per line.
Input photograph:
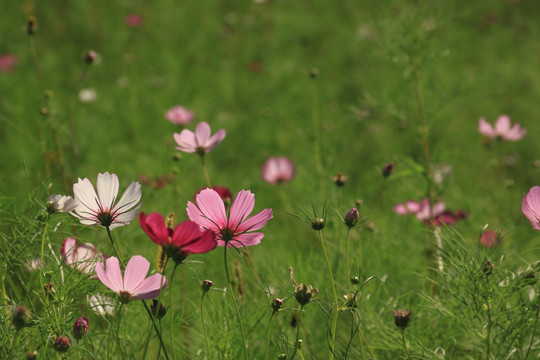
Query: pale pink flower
x,y
236,229
502,129
134,284
199,141
436,214
101,304
531,206
8,62
101,209
60,203
277,170
82,257
490,238
179,115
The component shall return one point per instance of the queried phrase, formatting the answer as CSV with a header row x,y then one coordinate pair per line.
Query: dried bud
x,y
158,309
50,290
21,316
80,328
340,179
61,344
358,203
31,25
31,355
206,285
387,169
304,293
488,267
277,304
90,57
402,318
351,218
317,224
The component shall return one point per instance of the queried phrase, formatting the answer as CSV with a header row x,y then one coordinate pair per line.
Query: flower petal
x,y
202,133
85,195
486,129
135,272
502,125
256,222
154,225
186,141
241,207
214,140
150,287
68,250
247,239
111,276
211,207
130,198
107,188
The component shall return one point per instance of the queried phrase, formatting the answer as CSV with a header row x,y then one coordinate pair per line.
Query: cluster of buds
x,y
80,328
402,318
302,293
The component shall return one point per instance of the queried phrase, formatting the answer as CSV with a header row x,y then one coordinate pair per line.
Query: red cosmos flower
x,y
186,238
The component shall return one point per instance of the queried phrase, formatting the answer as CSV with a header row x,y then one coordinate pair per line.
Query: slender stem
x,y
268,335
347,257
334,293
244,343
405,344
146,343
204,328
171,339
362,338
115,248
488,336
208,183
156,329
42,258
119,314
298,331
534,328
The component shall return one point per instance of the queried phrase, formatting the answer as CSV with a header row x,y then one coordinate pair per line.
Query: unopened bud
x,y
61,344
31,25
340,179
317,224
402,318
282,356
206,285
351,218
488,267
31,355
351,300
304,293
90,57
80,328
21,316
158,309
50,290
355,280
387,169
277,304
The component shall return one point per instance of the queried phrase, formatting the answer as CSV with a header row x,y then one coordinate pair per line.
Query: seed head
x,y
61,344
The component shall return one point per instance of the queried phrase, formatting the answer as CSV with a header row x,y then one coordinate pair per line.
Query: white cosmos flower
x,y
101,209
60,203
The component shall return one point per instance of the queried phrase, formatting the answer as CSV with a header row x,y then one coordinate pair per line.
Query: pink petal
x,y
202,133
256,222
211,206
413,206
107,188
68,250
111,276
502,125
400,209
486,129
130,198
186,141
205,243
154,225
195,215
150,287
247,239
136,271
214,140
186,232
241,207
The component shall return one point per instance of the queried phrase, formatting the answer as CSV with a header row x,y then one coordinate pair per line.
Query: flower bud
x,y
351,300
206,285
61,344
313,73
277,304
402,318
387,169
351,218
31,25
488,267
282,356
158,309
90,57
80,328
304,293
355,280
317,224
21,316
31,355
340,179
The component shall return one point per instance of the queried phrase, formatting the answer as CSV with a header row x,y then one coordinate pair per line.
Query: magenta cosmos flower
x,y
179,115
531,206
186,238
502,129
199,141
236,229
277,170
134,284
101,209
82,257
490,238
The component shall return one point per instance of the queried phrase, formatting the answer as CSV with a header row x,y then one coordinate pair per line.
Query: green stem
x,y
298,331
268,335
347,257
171,318
534,328
405,344
488,336
115,248
42,258
334,293
156,329
244,343
362,338
204,327
208,183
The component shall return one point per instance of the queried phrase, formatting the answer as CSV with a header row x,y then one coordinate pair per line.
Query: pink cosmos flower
x,y
133,20
502,130
436,215
82,257
179,115
8,62
134,284
199,141
186,238
531,206
277,170
101,209
236,229
490,238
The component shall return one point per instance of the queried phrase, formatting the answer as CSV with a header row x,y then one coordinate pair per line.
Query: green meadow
x,y
342,89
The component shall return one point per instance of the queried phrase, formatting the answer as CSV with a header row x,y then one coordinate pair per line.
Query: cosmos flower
x,y
133,20
101,209
186,238
60,203
278,170
233,229
490,238
8,62
502,129
530,206
179,115
436,214
134,284
82,257
199,141
101,304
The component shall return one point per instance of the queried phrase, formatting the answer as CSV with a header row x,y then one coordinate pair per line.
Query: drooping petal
x,y
256,221
202,133
241,207
214,140
186,141
154,225
136,270
150,287
107,188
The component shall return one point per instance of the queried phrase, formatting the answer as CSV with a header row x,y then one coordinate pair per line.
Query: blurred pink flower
x,y
8,62
223,192
436,215
277,170
82,257
179,115
234,229
530,206
101,209
186,238
133,20
199,141
490,238
134,284
502,129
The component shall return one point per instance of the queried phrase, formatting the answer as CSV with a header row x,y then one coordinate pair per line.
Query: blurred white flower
x,y
87,95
